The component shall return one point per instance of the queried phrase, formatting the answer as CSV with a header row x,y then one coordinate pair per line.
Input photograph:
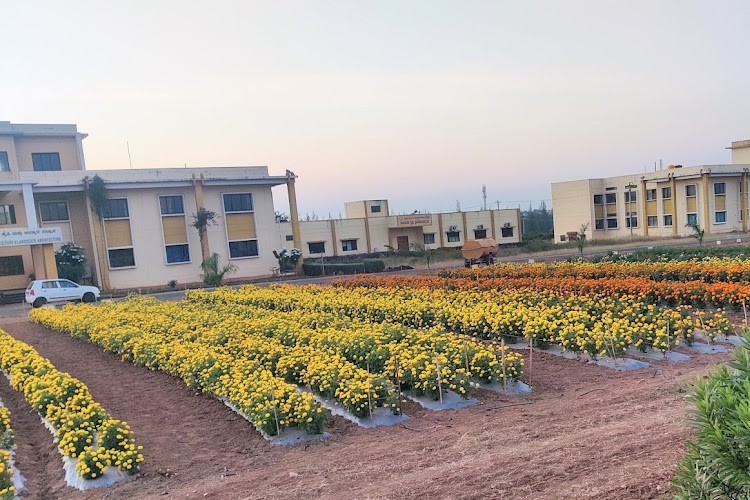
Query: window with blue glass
x,y
178,253
238,202
45,162
171,205
4,163
116,208
245,248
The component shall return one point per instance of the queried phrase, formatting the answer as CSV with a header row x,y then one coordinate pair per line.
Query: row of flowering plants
x,y
83,429
419,359
594,324
7,487
175,344
728,270
670,293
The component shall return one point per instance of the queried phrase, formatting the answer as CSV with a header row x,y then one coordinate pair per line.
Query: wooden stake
x,y
398,384
531,357
369,394
439,381
276,415
466,359
744,310
502,358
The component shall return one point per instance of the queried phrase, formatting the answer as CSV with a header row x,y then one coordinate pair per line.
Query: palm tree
x,y
698,233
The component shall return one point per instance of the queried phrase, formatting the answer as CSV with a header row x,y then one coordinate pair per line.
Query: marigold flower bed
x,y
83,429
591,323
7,487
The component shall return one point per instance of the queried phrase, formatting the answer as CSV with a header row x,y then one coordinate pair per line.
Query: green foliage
x,y
698,233
717,464
71,263
680,254
315,267
287,260
213,272
202,219
97,193
581,238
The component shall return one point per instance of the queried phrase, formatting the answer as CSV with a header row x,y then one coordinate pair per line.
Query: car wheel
x,y
39,302
88,297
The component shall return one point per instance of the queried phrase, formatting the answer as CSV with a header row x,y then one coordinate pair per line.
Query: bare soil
x,y
585,432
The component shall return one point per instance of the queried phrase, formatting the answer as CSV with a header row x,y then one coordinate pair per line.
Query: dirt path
x,y
587,432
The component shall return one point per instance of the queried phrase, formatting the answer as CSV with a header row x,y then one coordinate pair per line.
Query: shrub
x,y
316,268
213,272
717,464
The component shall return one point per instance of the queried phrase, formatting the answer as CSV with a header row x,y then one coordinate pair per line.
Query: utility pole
x,y
484,197
498,204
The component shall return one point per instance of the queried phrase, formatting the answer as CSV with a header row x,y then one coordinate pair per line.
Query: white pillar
x,y
28,203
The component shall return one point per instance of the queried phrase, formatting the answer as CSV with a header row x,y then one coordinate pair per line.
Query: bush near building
x,y
316,268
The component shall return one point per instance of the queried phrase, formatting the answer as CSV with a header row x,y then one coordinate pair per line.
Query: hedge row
x,y
316,268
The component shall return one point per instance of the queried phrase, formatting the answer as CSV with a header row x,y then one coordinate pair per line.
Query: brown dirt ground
x,y
585,432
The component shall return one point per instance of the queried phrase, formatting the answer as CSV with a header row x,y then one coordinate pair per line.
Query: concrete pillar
x,y
294,215
675,217
706,204
644,203
465,227
203,234
520,225
28,204
440,230
333,237
743,200
98,256
492,223
43,257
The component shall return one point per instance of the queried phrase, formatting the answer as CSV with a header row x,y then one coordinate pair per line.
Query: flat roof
x,y
40,130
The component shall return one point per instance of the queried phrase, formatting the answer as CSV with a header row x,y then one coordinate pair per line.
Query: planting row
x,y
234,350
595,324
695,293
7,487
84,431
707,270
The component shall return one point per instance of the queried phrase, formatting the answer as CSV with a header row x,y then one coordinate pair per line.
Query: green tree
x,y
201,220
698,233
71,263
213,272
581,237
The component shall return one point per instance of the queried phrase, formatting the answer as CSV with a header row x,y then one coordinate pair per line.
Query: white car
x,y
39,292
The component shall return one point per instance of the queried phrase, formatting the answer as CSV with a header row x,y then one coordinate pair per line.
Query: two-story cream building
x,y
665,203
143,236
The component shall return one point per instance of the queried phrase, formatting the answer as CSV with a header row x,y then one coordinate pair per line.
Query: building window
x,y
375,209
667,220
631,196
692,219
599,224
53,211
121,257
631,221
666,193
7,215
243,248
453,236
652,221
429,238
690,190
171,205
612,223
11,265
720,188
480,233
178,253
348,245
45,162
650,194
598,199
4,163
289,237
238,202
317,247
720,217
116,208
506,232
611,197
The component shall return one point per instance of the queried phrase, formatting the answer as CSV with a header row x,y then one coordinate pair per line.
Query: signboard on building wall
x,y
20,236
414,220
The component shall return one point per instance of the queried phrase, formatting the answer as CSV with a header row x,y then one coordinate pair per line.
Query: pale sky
x,y
419,102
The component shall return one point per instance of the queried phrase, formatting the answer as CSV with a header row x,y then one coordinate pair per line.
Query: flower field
x,y
597,324
83,429
7,488
256,358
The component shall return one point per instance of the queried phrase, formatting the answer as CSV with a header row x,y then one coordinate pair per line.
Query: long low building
x,y
665,203
135,226
369,227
